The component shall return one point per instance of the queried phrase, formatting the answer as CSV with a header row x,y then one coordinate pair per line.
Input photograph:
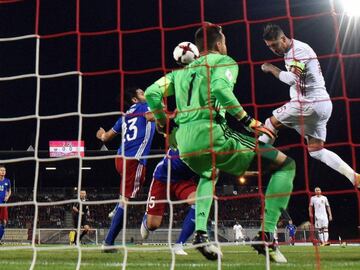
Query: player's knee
x,y
269,124
153,222
316,152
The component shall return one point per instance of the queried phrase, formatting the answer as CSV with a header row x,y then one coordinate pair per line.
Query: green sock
x,y
281,183
203,206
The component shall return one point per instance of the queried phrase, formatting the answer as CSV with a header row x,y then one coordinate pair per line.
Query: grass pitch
x,y
235,257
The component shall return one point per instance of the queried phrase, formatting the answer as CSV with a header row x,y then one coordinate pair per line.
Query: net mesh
x,y
97,45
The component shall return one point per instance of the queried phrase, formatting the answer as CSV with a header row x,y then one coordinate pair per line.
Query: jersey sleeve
x,y
301,56
223,79
154,94
142,109
117,127
296,66
9,186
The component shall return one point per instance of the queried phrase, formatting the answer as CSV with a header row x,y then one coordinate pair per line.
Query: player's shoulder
x,y
137,108
173,152
300,44
217,59
131,109
302,47
142,105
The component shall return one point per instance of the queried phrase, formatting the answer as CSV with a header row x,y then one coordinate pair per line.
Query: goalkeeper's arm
x,y
224,94
154,95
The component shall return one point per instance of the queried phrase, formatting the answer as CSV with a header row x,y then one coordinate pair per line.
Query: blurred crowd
x,y
59,215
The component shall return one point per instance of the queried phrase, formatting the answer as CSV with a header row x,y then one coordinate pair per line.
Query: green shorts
x,y
206,148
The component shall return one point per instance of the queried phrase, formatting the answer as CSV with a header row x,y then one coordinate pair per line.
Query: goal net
x,y
65,70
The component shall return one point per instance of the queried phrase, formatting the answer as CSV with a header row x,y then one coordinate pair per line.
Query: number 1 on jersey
x,y
191,88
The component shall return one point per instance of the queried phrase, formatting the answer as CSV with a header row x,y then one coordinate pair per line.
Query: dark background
x,y
118,47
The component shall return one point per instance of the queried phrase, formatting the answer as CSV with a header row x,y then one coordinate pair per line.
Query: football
x,y
185,52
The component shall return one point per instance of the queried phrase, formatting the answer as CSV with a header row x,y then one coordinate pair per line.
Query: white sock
x,y
326,235
266,139
321,236
335,162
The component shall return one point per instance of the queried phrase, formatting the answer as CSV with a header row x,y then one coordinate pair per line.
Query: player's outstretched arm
x,y
155,93
253,125
288,77
228,100
105,136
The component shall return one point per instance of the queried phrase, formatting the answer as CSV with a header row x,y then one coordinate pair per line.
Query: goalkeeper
x,y
204,92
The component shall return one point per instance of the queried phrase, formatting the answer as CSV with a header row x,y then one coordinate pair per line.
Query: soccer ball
x,y
185,52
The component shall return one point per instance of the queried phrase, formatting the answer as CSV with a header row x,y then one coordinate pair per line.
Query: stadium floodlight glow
x,y
351,7
86,168
50,168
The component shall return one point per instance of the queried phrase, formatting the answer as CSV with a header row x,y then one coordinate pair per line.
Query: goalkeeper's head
x,y
276,40
215,39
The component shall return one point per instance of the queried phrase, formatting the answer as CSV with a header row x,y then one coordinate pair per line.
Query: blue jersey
x,y
292,229
5,186
179,170
137,132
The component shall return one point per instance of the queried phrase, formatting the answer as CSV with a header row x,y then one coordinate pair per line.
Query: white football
x,y
185,52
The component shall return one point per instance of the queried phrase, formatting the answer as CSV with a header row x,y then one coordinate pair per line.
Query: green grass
x,y
235,257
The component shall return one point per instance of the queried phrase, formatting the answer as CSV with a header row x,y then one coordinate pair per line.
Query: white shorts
x,y
239,236
307,118
321,223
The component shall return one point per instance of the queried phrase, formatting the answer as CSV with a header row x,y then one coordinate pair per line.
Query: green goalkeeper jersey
x,y
202,88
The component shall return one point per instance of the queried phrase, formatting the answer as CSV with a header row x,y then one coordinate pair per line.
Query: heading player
x,y
310,106
320,205
204,92
138,132
5,193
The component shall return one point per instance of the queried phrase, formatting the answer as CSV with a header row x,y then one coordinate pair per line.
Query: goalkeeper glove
x,y
256,126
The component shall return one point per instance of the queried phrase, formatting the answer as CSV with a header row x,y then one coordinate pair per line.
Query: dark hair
x,y
129,94
2,166
213,35
272,32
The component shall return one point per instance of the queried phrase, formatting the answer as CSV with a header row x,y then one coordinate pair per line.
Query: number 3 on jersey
x,y
128,127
